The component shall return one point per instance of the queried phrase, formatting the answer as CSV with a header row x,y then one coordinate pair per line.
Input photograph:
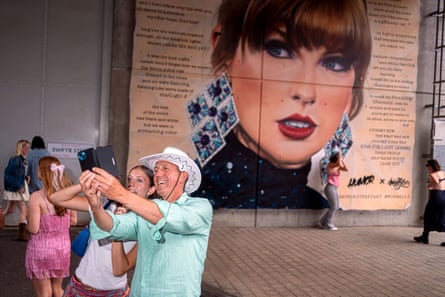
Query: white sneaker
x,y
331,227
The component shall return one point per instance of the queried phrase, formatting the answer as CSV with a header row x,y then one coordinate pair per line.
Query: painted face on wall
x,y
289,102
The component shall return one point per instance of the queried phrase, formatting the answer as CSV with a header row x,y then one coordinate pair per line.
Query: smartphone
x,y
101,156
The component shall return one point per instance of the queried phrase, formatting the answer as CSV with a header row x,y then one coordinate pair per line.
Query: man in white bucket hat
x,y
172,232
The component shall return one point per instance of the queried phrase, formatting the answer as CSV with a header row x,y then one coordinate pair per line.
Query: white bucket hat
x,y
180,159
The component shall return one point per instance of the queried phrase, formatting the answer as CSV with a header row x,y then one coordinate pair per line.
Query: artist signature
x,y
398,183
395,183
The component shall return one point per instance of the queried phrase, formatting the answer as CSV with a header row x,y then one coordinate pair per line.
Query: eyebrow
x,y
135,176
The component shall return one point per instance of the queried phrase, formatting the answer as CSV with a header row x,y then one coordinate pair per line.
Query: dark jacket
x,y
15,172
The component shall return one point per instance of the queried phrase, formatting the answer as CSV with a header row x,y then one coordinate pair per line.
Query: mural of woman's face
x,y
289,102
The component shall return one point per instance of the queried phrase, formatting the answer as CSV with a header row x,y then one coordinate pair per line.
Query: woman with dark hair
x,y
434,215
294,70
335,166
38,151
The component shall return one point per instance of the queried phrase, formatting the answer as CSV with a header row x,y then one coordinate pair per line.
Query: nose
x,y
304,93
304,85
304,100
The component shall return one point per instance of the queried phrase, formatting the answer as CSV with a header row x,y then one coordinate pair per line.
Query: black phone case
x,y
102,157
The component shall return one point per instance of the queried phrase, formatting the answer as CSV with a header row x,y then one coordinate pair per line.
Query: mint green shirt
x,y
171,254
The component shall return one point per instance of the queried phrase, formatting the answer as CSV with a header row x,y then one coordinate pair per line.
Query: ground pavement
x,y
269,262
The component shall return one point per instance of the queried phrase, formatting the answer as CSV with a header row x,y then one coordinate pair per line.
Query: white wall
x,y
54,73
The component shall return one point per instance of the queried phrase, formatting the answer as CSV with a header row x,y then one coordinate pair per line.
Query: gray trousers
x,y
332,194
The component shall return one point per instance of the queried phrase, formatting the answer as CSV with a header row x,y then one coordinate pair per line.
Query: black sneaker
x,y
421,239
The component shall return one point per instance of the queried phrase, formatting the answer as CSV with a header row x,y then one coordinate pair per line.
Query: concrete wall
x,y
43,83
54,74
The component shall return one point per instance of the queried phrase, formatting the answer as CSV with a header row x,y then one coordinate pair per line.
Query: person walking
x,y
16,191
434,214
172,231
335,166
38,151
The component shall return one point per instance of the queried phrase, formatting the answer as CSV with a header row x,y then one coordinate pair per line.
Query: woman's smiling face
x,y
289,102
138,182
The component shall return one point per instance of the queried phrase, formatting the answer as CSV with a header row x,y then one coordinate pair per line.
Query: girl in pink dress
x,y
48,252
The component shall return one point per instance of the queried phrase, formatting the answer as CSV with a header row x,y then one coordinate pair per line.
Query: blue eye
x,y
337,64
277,49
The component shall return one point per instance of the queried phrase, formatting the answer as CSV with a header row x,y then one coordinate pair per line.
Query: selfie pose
x,y
111,259
172,232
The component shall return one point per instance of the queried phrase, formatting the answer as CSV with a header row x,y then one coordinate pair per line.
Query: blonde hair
x,y
19,146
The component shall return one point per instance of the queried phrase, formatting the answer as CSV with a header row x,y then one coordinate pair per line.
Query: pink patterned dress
x,y
48,252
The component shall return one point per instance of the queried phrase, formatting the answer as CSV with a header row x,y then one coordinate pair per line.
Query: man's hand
x,y
109,185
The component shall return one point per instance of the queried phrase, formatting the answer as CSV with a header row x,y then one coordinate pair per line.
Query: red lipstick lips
x,y
296,127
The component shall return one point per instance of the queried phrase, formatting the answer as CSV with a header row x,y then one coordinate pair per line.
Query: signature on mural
x,y
361,181
398,183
